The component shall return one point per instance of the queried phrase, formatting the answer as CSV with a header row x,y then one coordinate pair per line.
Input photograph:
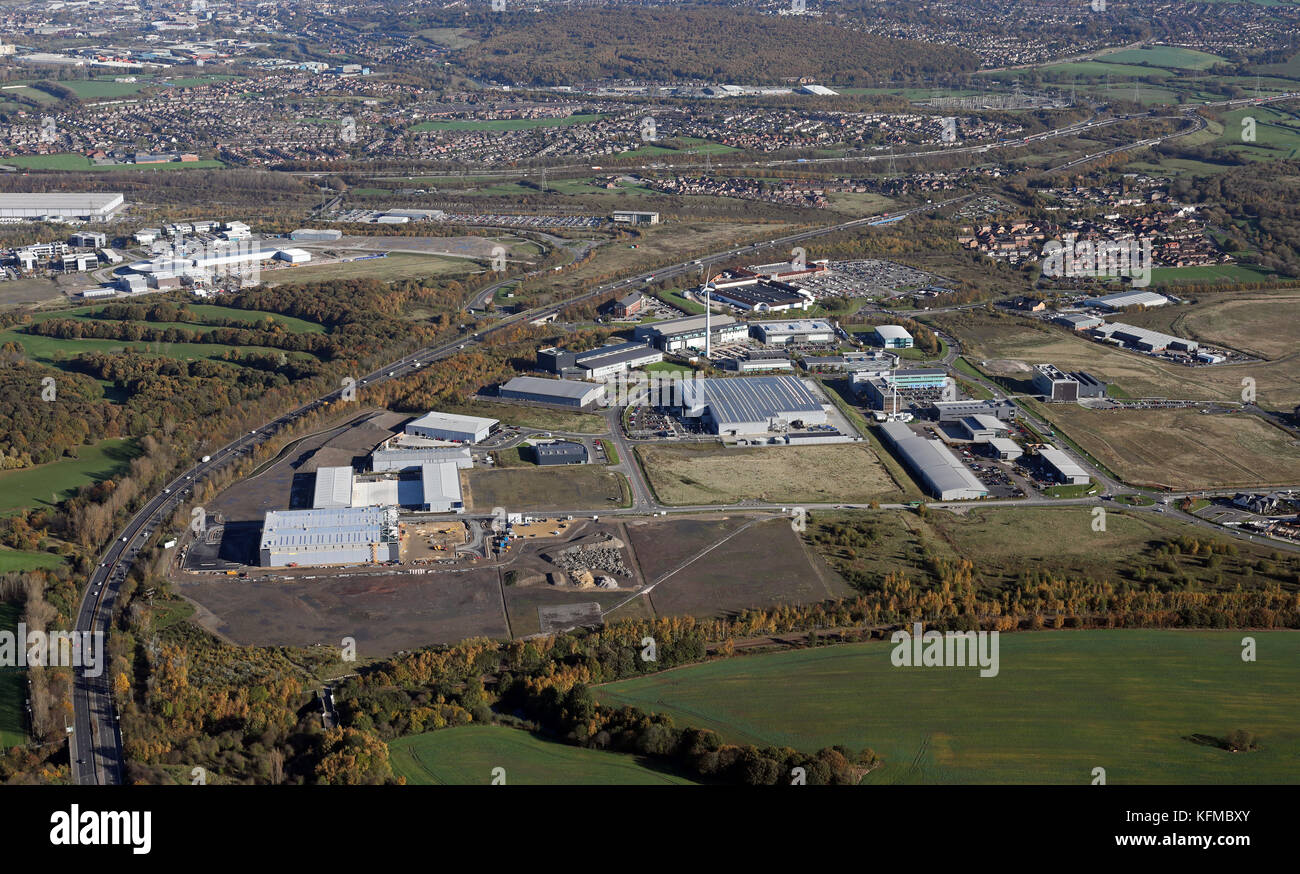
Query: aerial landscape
x,y
616,393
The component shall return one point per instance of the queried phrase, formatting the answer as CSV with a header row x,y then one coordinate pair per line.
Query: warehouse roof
x,y
751,398
985,422
353,526
932,461
451,422
333,488
1006,444
563,388
1064,464
441,483
59,200
1127,299
794,326
893,332
402,459
686,325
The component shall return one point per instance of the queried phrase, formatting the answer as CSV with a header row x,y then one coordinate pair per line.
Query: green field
x,y
13,688
466,756
1062,704
1213,273
69,161
50,350
1173,57
504,123
674,298
54,482
16,560
209,315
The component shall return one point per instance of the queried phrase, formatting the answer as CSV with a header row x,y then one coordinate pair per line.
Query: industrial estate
x,y
622,393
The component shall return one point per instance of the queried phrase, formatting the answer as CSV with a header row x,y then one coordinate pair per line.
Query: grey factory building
x,y
382,460
939,472
1143,339
751,404
360,535
560,452
1058,386
952,411
1062,467
555,392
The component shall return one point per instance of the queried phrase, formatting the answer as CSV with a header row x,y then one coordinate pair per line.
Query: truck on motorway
x,y
205,459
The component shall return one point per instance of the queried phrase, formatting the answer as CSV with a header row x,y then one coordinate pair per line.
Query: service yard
x,y
702,474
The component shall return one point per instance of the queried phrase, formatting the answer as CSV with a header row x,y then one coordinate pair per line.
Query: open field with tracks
x,y
1182,449
1277,382
1063,703
711,474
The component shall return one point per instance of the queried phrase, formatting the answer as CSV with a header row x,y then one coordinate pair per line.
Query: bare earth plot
x,y
1183,449
764,565
383,612
583,486
1277,382
710,474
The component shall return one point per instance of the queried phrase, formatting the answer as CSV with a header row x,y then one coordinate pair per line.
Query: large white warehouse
x,y
450,426
750,404
90,206
329,536
940,472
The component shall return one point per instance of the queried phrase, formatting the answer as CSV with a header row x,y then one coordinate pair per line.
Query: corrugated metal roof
x,y
354,526
751,398
333,488
1062,463
561,388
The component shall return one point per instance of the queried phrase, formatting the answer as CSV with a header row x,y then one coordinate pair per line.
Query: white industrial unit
x,y
559,392
940,472
91,207
784,332
450,426
1062,467
307,538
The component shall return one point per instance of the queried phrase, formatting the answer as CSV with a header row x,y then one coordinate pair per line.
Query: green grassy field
x,y
13,687
50,350
69,161
16,560
209,315
1062,704
504,123
1164,56
1214,273
47,483
466,756
674,298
